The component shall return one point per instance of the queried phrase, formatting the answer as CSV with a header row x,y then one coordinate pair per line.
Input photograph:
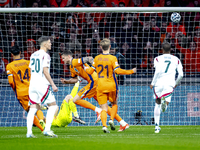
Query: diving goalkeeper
x,y
64,117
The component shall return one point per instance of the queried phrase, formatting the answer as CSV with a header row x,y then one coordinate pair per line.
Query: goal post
x,y
136,35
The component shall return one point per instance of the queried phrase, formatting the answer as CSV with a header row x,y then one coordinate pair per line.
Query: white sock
x,y
157,114
123,123
49,118
97,109
30,118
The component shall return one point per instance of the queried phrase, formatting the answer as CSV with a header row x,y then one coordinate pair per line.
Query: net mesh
x,y
136,38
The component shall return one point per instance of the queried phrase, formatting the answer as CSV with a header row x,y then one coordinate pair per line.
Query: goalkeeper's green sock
x,y
72,107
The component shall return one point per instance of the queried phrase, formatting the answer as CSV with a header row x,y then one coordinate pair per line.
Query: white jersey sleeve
x,y
180,72
46,61
157,71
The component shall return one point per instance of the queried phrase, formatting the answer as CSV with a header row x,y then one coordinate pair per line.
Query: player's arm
x,y
70,81
124,72
48,77
155,77
156,74
180,73
81,61
10,77
90,70
120,71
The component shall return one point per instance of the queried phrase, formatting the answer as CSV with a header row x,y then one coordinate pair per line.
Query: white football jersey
x,y
165,70
38,61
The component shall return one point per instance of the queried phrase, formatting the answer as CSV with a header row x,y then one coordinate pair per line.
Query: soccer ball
x,y
175,17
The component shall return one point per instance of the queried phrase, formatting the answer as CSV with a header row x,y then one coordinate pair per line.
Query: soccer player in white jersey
x,y
164,81
39,89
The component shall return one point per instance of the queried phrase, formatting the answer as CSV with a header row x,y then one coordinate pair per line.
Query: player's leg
x,y
24,100
112,96
166,98
72,106
40,116
102,100
123,125
78,99
64,116
157,108
49,119
31,118
69,100
73,109
157,114
49,99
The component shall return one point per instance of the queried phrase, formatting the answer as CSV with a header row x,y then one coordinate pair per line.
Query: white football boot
x,y
105,130
49,133
157,129
30,136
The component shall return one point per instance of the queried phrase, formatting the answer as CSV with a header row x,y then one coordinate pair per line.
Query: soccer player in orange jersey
x,y
89,91
18,73
106,66
76,69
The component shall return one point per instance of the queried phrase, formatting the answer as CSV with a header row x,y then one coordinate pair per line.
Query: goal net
x,y
136,36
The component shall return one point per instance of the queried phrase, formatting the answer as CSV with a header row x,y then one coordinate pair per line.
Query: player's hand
x,y
55,89
151,86
91,59
134,70
63,81
175,86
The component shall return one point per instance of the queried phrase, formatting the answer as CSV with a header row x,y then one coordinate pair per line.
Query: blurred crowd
x,y
136,38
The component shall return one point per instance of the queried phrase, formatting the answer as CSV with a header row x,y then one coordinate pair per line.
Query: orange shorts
x,y
88,91
104,97
23,100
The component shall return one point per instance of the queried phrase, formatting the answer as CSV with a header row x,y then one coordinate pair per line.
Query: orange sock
x,y
85,104
37,123
117,117
113,111
104,118
40,115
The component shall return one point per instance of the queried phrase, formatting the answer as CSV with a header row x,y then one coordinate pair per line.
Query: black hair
x,y
166,46
67,52
15,50
43,39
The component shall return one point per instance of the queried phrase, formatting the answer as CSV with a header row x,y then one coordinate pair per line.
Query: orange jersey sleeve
x,y
10,76
123,72
18,73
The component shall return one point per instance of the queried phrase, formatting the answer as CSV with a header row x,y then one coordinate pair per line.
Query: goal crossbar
x,y
102,9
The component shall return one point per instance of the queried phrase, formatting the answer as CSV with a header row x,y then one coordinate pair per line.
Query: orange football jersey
x,y
18,73
76,68
106,66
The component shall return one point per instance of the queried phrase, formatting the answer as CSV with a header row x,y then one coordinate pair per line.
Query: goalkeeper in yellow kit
x,y
64,117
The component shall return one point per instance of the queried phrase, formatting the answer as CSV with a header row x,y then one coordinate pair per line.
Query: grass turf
x,y
86,138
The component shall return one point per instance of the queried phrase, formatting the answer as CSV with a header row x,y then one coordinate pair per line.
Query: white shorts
x,y
41,95
163,91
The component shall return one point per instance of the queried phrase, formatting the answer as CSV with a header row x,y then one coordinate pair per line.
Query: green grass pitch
x,y
91,138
